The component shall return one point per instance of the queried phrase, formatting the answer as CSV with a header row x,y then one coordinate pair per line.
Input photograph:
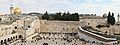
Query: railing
x,y
97,35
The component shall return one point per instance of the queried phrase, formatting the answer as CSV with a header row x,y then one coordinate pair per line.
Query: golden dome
x,y
17,11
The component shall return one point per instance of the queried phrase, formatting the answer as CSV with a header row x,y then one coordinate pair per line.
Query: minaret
x,y
11,9
118,17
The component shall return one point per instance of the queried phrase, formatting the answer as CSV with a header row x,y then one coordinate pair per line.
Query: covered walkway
x,y
89,36
9,38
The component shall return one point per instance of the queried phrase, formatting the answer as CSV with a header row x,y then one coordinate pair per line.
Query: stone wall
x,y
93,22
59,26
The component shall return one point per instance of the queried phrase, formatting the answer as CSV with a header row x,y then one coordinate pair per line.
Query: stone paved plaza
x,y
55,39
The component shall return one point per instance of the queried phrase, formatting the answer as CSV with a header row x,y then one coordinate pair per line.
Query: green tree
x,y
110,19
45,16
57,16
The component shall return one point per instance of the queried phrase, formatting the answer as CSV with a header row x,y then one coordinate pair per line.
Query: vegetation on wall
x,y
61,16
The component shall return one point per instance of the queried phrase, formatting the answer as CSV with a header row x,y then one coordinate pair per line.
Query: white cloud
x,y
81,6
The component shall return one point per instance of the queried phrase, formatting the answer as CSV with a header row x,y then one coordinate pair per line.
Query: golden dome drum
x,y
17,11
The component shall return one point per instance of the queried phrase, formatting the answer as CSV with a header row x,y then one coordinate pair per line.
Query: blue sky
x,y
98,7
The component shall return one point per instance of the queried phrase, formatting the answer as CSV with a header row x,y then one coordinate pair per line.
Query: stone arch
x,y
20,36
45,43
11,38
1,41
5,41
0,19
8,39
15,27
16,36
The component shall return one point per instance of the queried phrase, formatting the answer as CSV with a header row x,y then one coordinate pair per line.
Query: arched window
x,y
93,42
15,27
28,26
0,19
5,41
106,32
1,41
16,36
20,36
8,39
45,43
11,38
88,23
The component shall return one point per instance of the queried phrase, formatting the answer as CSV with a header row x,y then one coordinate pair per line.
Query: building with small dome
x,y
17,11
